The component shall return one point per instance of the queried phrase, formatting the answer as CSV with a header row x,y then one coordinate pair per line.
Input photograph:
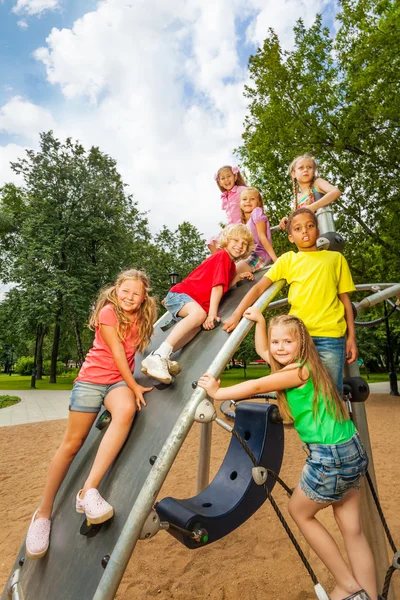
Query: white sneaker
x,y
173,367
157,367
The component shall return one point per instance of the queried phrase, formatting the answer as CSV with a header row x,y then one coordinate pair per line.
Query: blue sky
x,y
157,85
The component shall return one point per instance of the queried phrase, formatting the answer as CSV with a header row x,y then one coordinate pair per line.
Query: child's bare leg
x,y
193,315
303,511
348,517
242,267
122,406
78,427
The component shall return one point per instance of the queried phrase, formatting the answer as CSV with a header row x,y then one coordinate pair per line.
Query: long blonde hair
x,y
308,356
145,316
295,184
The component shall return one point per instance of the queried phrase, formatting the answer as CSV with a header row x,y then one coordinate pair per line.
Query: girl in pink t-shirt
x,y
123,321
231,183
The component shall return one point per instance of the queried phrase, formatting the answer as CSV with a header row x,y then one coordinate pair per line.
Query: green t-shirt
x,y
324,429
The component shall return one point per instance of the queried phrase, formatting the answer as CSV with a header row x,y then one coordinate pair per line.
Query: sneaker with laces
x,y
96,509
38,537
157,367
173,367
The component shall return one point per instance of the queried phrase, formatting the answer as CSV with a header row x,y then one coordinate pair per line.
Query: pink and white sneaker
x,y
37,538
96,509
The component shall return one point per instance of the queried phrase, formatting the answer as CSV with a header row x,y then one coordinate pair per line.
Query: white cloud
x,y
10,153
22,24
35,7
22,118
157,85
281,16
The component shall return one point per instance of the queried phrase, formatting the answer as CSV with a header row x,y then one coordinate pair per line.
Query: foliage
x,y
337,98
65,234
25,366
7,400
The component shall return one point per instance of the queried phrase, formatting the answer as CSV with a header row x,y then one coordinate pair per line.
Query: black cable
x,y
276,508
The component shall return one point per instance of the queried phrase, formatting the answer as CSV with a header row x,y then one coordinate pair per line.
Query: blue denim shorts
x,y
88,397
332,470
175,301
332,352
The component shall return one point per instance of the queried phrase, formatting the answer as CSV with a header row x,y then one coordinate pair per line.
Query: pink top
x,y
99,365
231,204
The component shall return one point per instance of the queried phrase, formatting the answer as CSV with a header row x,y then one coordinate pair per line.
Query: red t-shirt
x,y
99,365
218,269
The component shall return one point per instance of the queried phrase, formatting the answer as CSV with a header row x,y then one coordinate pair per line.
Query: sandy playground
x,y
255,562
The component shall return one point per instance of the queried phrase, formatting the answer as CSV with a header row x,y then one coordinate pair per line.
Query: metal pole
x,y
394,390
369,515
203,474
108,584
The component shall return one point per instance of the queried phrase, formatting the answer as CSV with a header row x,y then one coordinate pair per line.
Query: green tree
x,y
65,233
336,98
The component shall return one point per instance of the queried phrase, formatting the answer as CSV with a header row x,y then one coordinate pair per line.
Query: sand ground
x,y
255,562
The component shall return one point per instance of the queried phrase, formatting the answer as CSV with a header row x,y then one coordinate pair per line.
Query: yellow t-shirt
x,y
316,279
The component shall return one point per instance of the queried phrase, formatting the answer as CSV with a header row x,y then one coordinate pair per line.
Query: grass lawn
x,y
231,377
9,400
23,382
234,376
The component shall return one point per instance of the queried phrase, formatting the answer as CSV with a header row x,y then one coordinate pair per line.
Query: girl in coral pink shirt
x,y
123,322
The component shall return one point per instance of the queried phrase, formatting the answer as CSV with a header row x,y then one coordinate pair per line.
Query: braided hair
x,y
295,184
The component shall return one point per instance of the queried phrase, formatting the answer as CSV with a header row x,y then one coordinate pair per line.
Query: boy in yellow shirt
x,y
320,281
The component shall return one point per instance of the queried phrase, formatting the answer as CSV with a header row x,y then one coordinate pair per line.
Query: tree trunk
x,y
54,352
33,377
78,341
39,360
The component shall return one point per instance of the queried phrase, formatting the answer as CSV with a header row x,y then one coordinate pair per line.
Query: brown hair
x,y
308,356
237,231
238,177
292,167
300,211
260,200
145,316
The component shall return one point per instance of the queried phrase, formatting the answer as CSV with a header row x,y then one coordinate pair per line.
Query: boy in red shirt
x,y
194,302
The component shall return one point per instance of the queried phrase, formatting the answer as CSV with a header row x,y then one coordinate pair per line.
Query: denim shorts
x,y
332,470
88,397
332,352
175,301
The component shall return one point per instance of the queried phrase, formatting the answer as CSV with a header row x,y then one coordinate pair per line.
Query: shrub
x,y
24,366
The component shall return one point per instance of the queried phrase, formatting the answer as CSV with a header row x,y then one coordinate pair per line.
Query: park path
x,y
35,405
48,405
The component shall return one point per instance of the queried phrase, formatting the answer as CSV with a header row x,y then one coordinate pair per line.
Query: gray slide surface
x,y
72,567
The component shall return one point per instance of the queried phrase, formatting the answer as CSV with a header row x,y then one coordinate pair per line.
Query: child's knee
x,y
72,444
125,415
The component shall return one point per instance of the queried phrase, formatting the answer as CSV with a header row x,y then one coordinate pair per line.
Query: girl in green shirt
x,y
336,458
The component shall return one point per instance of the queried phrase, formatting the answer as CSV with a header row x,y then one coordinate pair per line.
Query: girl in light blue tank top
x,y
309,190
336,459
